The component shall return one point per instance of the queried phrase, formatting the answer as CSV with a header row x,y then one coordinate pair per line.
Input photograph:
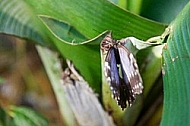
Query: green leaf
x,y
2,117
134,5
90,21
176,55
162,10
26,117
5,119
18,19
62,30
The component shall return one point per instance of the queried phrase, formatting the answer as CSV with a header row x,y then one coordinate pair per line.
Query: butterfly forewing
x,y
130,68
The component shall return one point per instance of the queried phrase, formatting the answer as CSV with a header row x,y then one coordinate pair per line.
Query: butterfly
x,y
121,71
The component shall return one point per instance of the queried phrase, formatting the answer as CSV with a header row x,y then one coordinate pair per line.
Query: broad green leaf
x,y
26,117
68,34
162,10
134,5
63,31
93,17
176,72
2,117
18,19
5,119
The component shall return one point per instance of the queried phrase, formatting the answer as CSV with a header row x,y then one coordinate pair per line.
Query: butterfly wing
x,y
130,73
111,73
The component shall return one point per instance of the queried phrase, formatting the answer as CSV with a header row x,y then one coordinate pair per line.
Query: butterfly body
x,y
121,71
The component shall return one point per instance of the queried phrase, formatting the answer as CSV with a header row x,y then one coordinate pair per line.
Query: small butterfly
x,y
121,71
